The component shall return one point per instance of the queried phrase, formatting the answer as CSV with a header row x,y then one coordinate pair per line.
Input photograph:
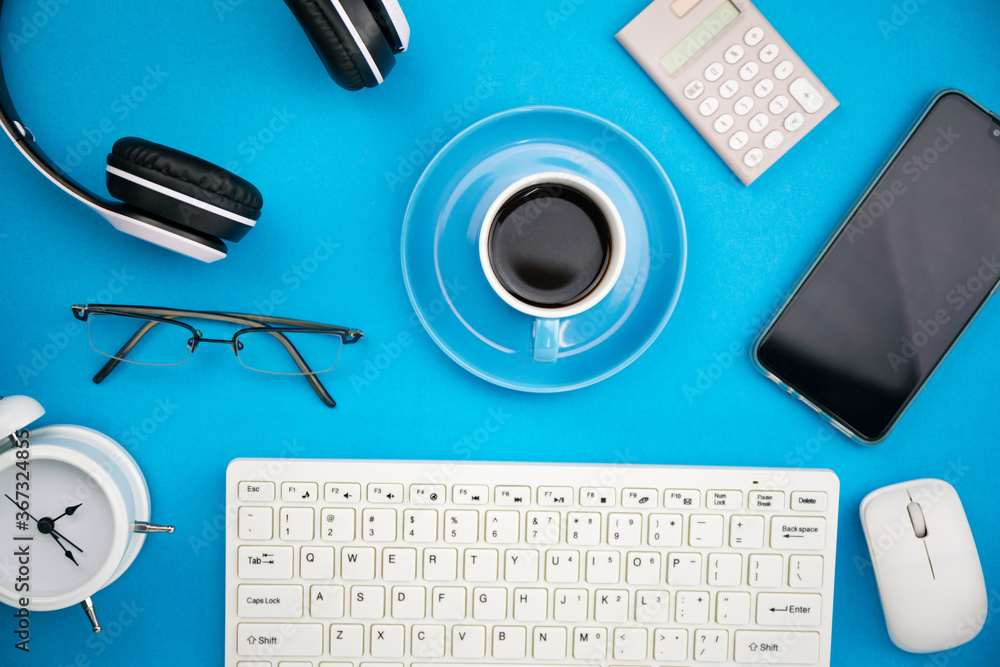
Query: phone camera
x,y
996,132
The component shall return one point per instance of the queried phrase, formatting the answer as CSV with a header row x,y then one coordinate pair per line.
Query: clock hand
x,y
66,552
19,507
70,511
57,533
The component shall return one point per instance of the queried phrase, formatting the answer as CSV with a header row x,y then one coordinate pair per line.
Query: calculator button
x,y
739,140
694,90
794,121
763,88
729,88
753,158
768,53
709,106
773,139
714,71
749,70
778,104
724,123
734,53
806,95
743,106
783,70
754,36
759,122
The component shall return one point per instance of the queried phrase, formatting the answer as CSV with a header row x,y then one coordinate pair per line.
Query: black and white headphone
x,y
188,205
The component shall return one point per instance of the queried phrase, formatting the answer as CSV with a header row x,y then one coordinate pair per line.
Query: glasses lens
x,y
163,344
269,351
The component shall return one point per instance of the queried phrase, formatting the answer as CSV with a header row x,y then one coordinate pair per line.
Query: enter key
x,y
789,609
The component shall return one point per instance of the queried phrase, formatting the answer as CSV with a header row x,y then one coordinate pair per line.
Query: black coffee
x,y
550,245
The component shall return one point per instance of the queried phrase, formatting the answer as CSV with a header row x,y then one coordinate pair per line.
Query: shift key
x,y
777,648
293,640
264,562
795,533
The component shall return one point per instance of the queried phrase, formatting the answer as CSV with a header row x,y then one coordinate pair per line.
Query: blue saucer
x,y
445,280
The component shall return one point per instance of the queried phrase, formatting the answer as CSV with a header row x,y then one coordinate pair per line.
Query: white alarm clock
x,y
73,515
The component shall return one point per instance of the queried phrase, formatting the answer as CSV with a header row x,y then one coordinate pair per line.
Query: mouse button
x,y
917,520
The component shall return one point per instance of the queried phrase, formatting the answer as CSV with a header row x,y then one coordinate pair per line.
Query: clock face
x,y
71,528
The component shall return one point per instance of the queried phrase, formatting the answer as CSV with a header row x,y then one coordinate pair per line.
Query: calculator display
x,y
698,38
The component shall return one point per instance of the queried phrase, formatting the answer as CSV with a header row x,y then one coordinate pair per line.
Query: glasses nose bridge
x,y
198,339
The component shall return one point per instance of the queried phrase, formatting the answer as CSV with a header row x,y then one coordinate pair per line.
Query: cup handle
x,y
545,341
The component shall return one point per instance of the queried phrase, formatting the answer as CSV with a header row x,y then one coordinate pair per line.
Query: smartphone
x,y
901,279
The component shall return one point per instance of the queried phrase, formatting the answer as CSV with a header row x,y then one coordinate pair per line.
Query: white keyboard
x,y
410,564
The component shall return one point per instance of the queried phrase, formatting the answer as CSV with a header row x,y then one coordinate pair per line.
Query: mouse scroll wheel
x,y
917,519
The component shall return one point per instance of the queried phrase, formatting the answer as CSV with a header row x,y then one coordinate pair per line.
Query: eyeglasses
x,y
158,337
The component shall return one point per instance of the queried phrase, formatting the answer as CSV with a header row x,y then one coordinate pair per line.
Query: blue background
x,y
233,66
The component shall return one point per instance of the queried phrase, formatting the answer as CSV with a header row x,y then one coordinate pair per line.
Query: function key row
x,y
515,495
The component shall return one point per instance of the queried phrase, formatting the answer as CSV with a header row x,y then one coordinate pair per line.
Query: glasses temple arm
x,y
123,352
311,377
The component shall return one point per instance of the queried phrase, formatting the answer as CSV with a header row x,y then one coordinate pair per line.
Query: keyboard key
x,y
337,525
711,645
255,492
302,640
630,644
805,571
268,601
326,601
509,642
427,641
665,530
806,95
706,530
590,644
562,567
725,500
624,530
766,500
448,603
264,562
725,569
399,564
387,641
595,496
357,563
256,523
481,565
295,524
732,608
603,567
427,494
339,492
652,606
584,529
347,641
764,570
513,495
746,532
548,643
809,501
643,568
461,526
692,607
316,562
503,527
777,648
789,609
684,569
571,605
470,494
610,606
489,604
440,564
420,526
640,498
677,499
798,533
531,604
467,642
367,602
408,602
385,493
299,492
521,566
378,525
554,496
670,645
543,528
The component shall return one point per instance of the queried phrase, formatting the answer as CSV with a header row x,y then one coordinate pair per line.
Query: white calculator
x,y
732,75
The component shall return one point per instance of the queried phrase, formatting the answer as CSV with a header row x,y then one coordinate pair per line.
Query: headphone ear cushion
x,y
356,58
182,188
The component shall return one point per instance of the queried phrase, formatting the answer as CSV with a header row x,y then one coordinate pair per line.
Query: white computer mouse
x,y
926,565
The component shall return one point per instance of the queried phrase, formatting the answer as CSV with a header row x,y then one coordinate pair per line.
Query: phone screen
x,y
904,277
